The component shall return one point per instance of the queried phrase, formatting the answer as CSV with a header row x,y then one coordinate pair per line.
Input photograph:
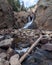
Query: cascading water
x,y
28,25
30,21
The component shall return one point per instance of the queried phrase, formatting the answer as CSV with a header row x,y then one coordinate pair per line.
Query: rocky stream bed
x,y
14,43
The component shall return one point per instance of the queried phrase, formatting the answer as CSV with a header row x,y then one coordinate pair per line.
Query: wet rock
x,y
1,37
37,57
30,60
46,62
14,60
44,41
21,42
22,45
27,63
42,54
7,36
6,42
33,26
47,46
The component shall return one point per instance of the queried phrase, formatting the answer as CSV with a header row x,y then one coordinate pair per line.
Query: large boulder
x,y
44,14
6,42
14,60
21,18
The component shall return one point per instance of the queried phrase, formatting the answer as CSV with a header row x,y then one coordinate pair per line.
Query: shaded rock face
x,y
44,14
6,14
21,18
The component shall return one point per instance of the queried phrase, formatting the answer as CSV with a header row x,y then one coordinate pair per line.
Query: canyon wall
x,y
44,15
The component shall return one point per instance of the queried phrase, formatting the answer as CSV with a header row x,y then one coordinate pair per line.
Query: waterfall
x,y
30,21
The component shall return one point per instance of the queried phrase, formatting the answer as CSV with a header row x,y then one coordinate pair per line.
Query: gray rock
x,y
43,54
6,42
14,60
47,46
4,62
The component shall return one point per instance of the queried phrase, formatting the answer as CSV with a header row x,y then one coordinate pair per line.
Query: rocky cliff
x,y
44,14
9,18
6,15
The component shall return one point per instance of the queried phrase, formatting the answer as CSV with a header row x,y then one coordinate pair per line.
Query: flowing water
x,y
21,50
29,23
26,26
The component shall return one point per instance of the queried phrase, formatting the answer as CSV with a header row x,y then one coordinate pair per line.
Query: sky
x,y
29,3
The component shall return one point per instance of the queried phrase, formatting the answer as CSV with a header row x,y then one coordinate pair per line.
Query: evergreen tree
x,y
15,4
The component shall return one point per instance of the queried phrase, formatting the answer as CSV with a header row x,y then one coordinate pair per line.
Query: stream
x,y
29,23
21,50
26,26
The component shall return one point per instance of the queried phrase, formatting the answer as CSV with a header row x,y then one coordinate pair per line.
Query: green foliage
x,y
23,7
32,6
15,4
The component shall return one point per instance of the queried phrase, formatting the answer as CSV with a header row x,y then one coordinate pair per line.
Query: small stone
x,y
14,60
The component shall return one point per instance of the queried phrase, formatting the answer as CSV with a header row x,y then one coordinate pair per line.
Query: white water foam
x,y
22,50
28,24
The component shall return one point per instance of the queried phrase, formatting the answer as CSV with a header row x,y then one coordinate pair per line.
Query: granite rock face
x,y
21,18
6,15
44,14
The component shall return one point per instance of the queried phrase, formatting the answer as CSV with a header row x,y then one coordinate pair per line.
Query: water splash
x,y
30,21
22,50
28,24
